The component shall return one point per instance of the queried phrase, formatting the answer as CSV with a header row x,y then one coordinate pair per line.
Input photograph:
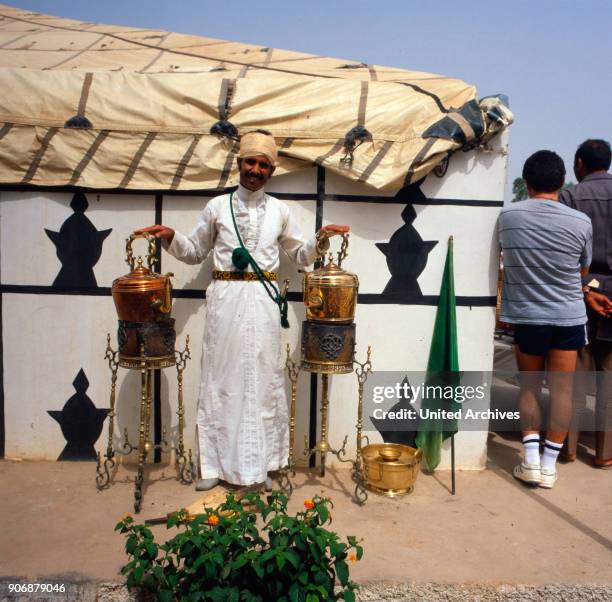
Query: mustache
x,y
259,176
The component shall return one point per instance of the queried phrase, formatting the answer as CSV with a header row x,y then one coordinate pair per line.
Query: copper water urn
x,y
143,300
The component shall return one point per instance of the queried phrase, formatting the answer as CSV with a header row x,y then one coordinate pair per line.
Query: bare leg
x,y
603,409
583,366
531,368
561,365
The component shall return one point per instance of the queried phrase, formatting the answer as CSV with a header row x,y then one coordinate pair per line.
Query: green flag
x,y
442,370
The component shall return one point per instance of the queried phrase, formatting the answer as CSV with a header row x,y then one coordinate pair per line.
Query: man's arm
x,y
596,301
304,252
190,249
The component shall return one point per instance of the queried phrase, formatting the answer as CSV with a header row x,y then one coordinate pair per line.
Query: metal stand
x,y
362,371
322,446
183,461
285,474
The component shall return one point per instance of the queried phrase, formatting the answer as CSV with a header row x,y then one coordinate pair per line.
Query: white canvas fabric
x,y
102,106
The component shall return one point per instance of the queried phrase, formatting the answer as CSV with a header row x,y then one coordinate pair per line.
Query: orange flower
x,y
309,504
212,520
352,557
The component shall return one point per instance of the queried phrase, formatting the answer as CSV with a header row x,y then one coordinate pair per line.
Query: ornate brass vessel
x,y
328,348
390,468
330,293
142,295
143,300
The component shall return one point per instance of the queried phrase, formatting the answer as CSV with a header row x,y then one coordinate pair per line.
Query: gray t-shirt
x,y
544,244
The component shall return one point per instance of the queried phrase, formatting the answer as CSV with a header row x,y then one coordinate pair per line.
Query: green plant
x,y
222,555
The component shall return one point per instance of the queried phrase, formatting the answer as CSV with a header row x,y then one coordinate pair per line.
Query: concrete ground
x,y
495,539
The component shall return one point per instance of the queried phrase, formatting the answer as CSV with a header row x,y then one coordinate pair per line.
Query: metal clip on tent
x,y
78,122
352,140
225,129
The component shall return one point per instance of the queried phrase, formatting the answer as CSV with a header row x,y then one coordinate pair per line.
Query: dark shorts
x,y
539,339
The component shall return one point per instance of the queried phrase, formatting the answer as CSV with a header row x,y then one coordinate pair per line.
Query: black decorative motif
x,y
330,345
81,422
79,246
406,254
387,428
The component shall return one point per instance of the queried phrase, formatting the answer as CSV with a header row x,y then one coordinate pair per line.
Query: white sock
x,y
531,445
550,455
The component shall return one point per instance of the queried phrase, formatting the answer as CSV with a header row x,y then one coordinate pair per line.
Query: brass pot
x,y
142,295
328,348
330,293
390,468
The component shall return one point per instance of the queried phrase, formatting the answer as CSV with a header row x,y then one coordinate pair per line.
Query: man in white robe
x,y
242,421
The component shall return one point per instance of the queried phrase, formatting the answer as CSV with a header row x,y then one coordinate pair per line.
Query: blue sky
x,y
553,58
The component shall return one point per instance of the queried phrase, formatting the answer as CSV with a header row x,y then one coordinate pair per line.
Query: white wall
x,y
48,338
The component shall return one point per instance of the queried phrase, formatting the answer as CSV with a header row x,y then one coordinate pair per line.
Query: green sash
x,y
241,258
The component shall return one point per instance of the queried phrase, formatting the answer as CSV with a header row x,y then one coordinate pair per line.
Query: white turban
x,y
255,143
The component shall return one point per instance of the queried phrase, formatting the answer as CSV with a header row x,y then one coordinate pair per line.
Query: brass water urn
x,y
330,293
143,300
330,297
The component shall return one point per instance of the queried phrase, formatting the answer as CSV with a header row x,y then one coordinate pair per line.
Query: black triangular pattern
x,y
81,422
392,435
406,251
79,246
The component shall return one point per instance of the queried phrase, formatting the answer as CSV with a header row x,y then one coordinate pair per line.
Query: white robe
x,y
242,422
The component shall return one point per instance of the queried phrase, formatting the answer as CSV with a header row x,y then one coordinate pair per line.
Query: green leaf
x,y
151,550
336,549
138,572
342,571
294,592
165,595
280,561
323,513
268,554
312,598
130,544
240,562
293,558
358,552
259,570
349,595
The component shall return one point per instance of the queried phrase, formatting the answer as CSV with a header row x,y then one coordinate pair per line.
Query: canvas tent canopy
x,y
107,107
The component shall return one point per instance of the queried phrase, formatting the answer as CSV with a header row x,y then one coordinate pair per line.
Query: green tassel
x,y
240,258
284,308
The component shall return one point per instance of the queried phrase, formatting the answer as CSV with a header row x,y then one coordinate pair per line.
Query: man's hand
x,y
599,303
162,232
332,229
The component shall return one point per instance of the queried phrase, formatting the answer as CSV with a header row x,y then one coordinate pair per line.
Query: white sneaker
x,y
528,473
206,484
548,478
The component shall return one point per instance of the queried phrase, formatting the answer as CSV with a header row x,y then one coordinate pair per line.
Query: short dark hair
x,y
595,155
544,171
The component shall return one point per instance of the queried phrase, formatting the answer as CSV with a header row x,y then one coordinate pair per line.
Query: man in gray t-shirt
x,y
593,197
546,247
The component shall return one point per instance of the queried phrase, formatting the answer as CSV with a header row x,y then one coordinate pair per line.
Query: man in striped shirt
x,y
546,247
